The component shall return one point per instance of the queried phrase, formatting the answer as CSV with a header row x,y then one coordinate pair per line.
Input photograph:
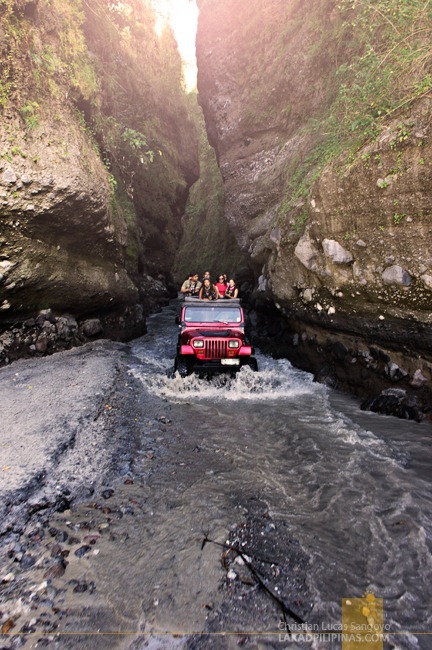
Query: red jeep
x,y
212,337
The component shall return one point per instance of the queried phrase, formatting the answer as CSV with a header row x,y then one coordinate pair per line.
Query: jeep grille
x,y
215,348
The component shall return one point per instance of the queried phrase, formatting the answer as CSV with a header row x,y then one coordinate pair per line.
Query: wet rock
x,y
338,350
327,376
56,570
379,355
61,536
45,315
56,550
27,561
393,402
82,550
107,494
42,343
395,373
92,327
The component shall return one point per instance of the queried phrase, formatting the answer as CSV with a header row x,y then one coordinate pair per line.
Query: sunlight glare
x,y
182,15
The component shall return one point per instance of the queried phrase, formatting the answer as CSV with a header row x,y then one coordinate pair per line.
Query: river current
x,y
327,503
353,488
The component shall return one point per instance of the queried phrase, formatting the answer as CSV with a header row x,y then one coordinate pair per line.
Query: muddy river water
x,y
348,493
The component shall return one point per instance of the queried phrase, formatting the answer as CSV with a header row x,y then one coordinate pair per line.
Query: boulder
x,y
306,252
393,401
395,274
91,327
426,278
337,253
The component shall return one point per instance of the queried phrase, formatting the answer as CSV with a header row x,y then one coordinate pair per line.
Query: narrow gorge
x,y
185,475
319,116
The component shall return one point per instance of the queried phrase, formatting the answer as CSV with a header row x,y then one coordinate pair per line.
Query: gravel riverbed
x,y
58,442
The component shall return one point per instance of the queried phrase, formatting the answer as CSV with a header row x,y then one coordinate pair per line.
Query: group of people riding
x,y
205,289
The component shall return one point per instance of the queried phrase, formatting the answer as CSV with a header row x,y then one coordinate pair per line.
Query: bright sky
x,y
182,16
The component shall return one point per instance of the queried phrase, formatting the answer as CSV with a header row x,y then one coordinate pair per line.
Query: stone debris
x,y
395,274
337,253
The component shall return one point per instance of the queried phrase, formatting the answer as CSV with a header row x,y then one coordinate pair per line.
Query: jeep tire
x,y
252,363
182,367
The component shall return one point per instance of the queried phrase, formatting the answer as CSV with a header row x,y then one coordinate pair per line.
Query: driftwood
x,y
285,610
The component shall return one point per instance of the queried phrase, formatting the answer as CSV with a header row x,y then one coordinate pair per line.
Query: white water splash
x,y
275,380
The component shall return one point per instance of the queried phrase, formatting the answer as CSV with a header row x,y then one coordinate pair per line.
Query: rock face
x,y
204,225
97,153
59,241
341,242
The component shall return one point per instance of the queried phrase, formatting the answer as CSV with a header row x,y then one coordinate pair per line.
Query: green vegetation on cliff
x,y
92,80
207,242
379,61
97,152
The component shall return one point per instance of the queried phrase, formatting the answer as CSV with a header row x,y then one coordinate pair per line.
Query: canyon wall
x,y
97,153
320,115
207,243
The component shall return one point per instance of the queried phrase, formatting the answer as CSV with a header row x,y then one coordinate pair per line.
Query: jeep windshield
x,y
212,314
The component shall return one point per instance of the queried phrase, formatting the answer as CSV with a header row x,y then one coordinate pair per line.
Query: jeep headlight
x,y
233,344
198,343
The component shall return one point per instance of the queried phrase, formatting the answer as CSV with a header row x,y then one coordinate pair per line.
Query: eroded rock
x,y
395,274
337,253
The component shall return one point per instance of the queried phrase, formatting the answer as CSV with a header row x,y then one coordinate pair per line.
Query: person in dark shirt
x,y
231,290
208,291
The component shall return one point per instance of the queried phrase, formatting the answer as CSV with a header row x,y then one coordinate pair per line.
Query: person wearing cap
x,y
191,286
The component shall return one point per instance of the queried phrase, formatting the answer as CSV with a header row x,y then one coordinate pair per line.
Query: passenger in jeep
x,y
191,286
231,290
221,285
208,291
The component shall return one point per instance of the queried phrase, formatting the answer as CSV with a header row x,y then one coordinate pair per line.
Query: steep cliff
x,y
320,114
97,153
207,242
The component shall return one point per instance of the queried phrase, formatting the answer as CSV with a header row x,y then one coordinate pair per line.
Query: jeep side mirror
x,y
177,320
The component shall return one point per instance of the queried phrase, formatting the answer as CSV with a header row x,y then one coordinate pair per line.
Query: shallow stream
x,y
352,490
